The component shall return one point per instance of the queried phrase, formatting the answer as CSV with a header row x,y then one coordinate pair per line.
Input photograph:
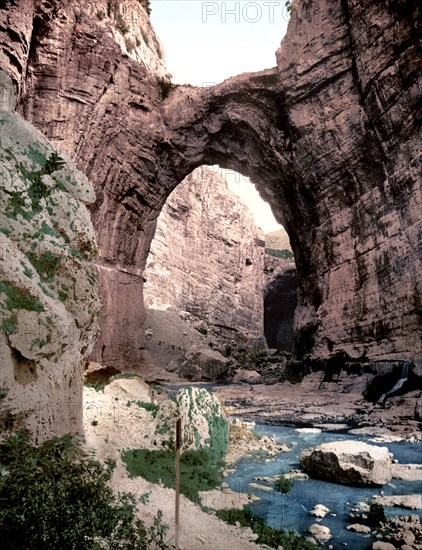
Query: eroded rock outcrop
x,y
48,289
331,137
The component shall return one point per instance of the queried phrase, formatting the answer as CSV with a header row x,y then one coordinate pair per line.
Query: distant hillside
x,y
277,240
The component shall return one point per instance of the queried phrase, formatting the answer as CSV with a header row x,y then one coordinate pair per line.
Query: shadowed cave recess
x,y
330,137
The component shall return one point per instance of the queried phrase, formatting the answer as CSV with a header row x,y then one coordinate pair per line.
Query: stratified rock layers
x,y
331,137
48,288
207,257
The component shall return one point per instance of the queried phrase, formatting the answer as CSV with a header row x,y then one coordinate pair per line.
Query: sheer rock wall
x,y
207,257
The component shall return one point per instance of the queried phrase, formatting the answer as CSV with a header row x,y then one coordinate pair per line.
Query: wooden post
x,y
178,448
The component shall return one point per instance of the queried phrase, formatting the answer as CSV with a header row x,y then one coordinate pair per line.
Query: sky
x,y
206,42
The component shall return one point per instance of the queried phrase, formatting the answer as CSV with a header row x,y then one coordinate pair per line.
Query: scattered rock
x,y
320,532
413,502
348,462
381,545
247,376
359,528
319,511
260,487
407,472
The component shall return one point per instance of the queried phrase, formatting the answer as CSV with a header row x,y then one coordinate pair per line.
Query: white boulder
x,y
349,463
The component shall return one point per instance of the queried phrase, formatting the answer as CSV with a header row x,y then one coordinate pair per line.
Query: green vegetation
x,y
46,264
37,189
145,37
288,4
4,391
376,514
9,325
166,86
285,254
197,470
283,485
19,299
122,25
97,386
130,44
100,15
150,407
57,496
267,535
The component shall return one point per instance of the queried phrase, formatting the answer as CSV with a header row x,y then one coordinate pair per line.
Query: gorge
x,y
330,137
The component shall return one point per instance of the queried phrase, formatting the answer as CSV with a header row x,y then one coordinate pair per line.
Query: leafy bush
x,y
197,471
56,496
267,535
283,485
286,254
166,86
122,25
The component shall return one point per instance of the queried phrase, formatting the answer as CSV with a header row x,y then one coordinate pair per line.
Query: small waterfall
x,y
398,385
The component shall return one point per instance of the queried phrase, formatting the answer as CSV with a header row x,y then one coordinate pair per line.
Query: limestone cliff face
x,y
48,288
207,257
331,137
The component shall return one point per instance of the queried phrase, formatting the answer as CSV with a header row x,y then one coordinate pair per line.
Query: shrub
x,y
56,496
285,254
122,25
283,485
130,44
197,471
166,86
376,514
100,15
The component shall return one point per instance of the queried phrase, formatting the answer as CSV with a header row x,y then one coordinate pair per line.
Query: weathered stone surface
x,y
331,137
48,288
348,462
203,364
207,258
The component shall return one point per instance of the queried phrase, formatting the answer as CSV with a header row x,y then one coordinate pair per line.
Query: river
x,y
291,511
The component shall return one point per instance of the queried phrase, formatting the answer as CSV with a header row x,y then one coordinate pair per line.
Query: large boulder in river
x,y
349,463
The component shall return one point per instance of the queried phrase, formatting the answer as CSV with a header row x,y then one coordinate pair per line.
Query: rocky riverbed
x,y
314,402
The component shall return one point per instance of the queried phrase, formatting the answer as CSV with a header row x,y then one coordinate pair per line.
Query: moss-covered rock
x,y
48,288
204,424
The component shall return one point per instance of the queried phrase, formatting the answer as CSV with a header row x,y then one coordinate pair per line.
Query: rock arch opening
x,y
207,270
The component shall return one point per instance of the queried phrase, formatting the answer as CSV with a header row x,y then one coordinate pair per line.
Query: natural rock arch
x,y
331,137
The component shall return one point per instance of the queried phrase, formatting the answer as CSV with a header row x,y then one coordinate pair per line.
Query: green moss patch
x,y
19,299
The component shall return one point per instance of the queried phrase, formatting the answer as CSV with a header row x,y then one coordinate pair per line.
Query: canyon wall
x,y
207,257
48,289
330,137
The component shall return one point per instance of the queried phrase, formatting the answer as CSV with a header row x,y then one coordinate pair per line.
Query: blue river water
x,y
291,511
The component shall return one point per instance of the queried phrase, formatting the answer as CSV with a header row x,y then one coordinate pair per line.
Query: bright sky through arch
x,y
206,42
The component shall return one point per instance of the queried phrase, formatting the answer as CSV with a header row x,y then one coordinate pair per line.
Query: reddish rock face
x,y
331,137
